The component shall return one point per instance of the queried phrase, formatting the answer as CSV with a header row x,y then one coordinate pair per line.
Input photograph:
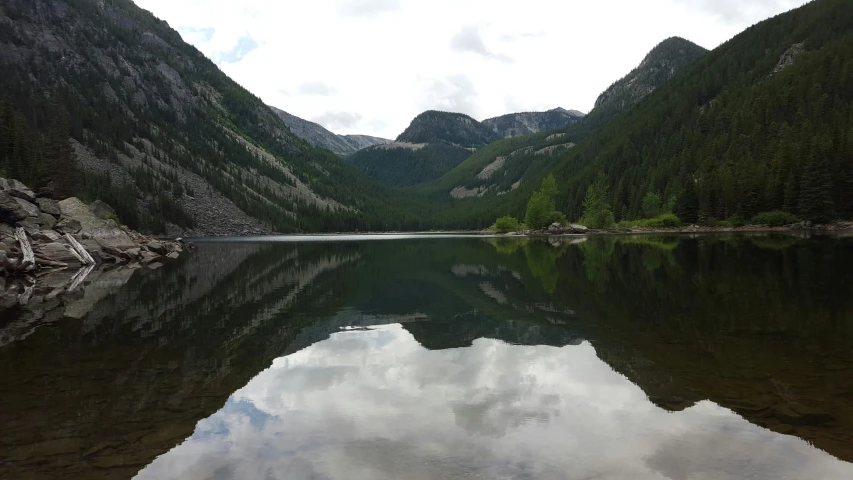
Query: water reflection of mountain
x,y
759,329
761,326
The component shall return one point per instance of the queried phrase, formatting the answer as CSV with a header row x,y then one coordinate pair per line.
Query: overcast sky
x,y
370,66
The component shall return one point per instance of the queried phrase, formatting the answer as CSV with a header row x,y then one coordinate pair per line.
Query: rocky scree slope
x,y
160,132
317,135
518,124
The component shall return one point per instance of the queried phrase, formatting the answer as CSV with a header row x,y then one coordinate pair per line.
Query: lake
x,y
644,357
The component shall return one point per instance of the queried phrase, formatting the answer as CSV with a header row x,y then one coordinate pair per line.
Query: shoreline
x,y
839,229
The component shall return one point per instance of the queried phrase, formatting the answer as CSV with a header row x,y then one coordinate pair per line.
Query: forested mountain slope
x,y
449,128
661,64
317,135
433,144
158,131
504,165
762,123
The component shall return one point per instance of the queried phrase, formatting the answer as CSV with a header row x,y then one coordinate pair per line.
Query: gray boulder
x,y
102,210
57,252
555,227
18,189
31,209
68,225
30,225
157,247
48,236
10,210
46,221
49,206
574,228
4,184
93,227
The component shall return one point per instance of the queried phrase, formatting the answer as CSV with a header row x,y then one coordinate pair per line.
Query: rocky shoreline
x,y
66,240
801,228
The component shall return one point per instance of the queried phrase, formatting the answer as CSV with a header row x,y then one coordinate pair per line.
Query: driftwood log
x,y
27,262
79,250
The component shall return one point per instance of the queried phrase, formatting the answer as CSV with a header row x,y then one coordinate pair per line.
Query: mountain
x,y
400,164
518,124
762,123
318,136
432,145
449,128
158,131
657,68
541,138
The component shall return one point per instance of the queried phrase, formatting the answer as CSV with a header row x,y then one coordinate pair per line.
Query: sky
x,y
370,66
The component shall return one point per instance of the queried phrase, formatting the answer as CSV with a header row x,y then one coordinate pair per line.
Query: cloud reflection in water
x,y
374,404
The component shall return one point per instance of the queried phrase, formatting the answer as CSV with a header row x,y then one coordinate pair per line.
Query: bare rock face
x,y
789,57
92,226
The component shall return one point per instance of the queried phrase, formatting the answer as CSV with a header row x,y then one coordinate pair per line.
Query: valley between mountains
x,y
103,101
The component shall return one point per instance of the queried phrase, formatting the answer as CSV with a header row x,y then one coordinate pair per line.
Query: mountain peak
x,y
662,63
434,126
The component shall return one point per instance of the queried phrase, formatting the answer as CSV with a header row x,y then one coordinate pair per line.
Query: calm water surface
x,y
442,358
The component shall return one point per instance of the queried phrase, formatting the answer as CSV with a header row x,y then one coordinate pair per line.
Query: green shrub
x,y
736,221
506,224
774,219
598,219
665,220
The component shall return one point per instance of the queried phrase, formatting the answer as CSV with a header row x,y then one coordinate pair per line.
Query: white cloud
x,y
391,59
338,120
316,87
468,40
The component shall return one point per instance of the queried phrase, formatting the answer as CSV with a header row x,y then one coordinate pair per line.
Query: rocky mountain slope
x,y
157,130
518,124
317,135
450,128
657,68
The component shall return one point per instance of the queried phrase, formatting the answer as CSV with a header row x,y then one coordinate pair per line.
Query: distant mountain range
x,y
317,135
436,142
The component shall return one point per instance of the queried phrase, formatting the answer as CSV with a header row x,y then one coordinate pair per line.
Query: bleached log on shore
x,y
85,258
28,262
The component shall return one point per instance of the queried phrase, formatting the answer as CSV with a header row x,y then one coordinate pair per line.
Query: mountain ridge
x,y
319,136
